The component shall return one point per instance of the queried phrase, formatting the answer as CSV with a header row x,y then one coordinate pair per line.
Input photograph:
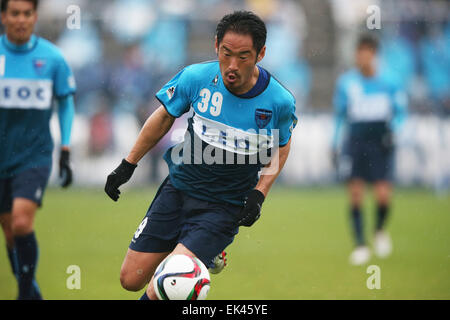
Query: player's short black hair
x,y
243,22
4,4
367,40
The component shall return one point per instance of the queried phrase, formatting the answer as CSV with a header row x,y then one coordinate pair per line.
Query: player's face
x,y
19,20
365,58
237,60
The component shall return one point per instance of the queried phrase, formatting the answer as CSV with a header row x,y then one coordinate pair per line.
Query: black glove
x,y
252,208
119,176
65,171
334,159
387,141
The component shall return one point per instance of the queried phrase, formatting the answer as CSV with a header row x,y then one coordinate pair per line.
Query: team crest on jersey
x,y
262,117
39,65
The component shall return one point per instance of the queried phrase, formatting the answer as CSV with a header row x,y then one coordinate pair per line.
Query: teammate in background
x,y
373,110
201,204
32,72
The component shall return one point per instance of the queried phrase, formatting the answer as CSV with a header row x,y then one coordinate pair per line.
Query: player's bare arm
x,y
253,202
156,126
266,180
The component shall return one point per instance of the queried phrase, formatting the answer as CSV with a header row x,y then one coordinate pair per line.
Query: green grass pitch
x,y
299,248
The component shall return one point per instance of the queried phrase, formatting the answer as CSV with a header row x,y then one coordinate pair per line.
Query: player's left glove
x,y
65,171
387,140
334,159
252,208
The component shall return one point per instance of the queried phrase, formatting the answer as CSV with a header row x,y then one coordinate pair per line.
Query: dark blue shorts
x,y
371,161
29,184
205,228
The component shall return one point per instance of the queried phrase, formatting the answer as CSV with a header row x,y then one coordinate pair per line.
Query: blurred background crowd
x,y
125,50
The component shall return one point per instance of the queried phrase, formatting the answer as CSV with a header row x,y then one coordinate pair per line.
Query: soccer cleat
x,y
360,256
219,263
382,244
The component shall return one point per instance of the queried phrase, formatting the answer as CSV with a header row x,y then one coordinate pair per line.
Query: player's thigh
x,y
27,191
155,237
31,184
209,228
139,267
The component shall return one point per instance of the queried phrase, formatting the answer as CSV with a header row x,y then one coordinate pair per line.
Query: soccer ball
x,y
181,277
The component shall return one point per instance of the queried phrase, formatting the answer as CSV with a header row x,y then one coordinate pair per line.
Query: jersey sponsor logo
x,y
227,146
368,107
26,94
2,65
231,139
262,117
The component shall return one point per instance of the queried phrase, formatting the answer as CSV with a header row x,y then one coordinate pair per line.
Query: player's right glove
x,y
387,140
65,170
334,159
119,176
252,208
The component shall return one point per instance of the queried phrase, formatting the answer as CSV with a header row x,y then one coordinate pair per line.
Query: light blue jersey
x,y
227,136
31,76
368,105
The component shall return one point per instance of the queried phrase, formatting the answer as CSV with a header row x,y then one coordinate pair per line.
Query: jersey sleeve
x,y
287,122
175,95
340,99
340,111
64,82
400,109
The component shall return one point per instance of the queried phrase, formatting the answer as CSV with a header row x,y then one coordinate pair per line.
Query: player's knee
x,y
356,199
383,194
130,282
21,226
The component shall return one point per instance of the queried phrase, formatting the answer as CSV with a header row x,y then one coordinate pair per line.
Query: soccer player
x,y
373,109
239,111
32,72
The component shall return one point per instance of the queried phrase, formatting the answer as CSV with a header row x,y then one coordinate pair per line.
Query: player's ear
x,y
261,54
3,15
216,45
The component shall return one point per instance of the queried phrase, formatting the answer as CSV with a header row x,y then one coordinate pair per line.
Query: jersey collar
x,y
20,48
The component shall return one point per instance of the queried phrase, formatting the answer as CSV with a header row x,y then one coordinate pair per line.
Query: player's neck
x,y
20,45
368,72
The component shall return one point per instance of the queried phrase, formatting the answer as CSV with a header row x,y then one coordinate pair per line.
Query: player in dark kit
x,y
241,127
32,72
373,109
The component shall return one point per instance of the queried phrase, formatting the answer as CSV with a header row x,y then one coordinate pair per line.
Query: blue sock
x,y
27,257
357,224
145,296
12,260
382,213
